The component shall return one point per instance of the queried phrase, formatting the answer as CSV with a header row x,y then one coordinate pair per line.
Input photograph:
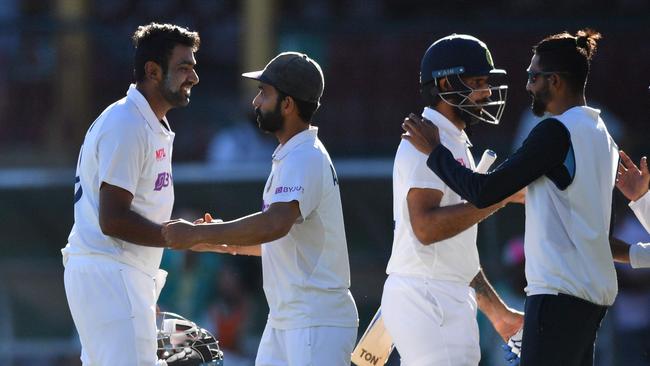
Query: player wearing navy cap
x,y
299,233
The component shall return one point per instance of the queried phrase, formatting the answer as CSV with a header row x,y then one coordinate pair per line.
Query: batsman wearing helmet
x,y
569,164
435,281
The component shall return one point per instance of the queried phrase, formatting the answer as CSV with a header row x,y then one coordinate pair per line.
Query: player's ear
x,y
153,71
287,105
443,85
554,80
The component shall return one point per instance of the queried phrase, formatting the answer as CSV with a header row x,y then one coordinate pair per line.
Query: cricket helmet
x,y
457,56
175,333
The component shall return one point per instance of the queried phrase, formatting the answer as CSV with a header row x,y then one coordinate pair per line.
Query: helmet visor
x,y
488,109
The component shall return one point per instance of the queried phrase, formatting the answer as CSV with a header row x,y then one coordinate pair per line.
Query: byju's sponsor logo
x,y
289,189
163,180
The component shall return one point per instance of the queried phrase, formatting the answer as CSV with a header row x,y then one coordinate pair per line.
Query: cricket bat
x,y
375,345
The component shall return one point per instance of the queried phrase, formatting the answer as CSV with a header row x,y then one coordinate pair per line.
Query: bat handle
x,y
486,162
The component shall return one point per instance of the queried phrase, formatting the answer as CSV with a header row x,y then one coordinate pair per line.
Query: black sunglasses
x,y
533,75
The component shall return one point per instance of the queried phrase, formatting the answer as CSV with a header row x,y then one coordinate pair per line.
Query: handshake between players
x,y
181,234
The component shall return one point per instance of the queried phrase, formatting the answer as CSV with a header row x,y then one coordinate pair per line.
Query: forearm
x,y
250,230
545,148
134,228
488,301
253,250
441,223
482,190
505,321
620,250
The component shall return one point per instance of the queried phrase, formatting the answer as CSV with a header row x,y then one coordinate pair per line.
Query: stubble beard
x,y
540,102
176,98
270,122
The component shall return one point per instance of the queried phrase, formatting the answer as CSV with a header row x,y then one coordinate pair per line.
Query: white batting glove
x,y
514,342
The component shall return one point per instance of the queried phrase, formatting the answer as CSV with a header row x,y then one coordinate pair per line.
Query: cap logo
x,y
488,56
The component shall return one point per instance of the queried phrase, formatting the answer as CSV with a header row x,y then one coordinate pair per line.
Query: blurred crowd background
x,y
63,61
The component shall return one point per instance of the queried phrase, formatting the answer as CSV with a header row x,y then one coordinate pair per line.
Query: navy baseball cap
x,y
294,74
457,54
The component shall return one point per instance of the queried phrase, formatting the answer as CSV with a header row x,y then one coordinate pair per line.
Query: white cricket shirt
x,y
306,273
454,259
640,252
641,209
127,147
567,232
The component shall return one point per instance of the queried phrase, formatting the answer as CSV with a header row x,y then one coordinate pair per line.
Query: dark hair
x,y
306,110
155,42
570,55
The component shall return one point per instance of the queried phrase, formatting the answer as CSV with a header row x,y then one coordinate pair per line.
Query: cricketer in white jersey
x,y
299,234
632,181
431,283
435,283
640,252
123,193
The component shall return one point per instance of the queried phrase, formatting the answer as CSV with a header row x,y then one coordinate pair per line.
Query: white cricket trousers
x,y
312,346
113,306
432,322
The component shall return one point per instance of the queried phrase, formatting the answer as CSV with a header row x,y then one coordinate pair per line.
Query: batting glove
x,y
511,358
512,350
515,342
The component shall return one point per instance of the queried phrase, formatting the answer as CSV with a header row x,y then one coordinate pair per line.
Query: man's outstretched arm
x,y
255,229
505,320
545,148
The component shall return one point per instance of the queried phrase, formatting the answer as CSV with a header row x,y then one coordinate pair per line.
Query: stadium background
x,y
63,61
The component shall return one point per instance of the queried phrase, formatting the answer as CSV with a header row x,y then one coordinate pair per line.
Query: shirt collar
x,y
584,108
446,125
143,106
308,135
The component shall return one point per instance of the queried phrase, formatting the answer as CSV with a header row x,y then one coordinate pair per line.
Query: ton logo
x,y
369,357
